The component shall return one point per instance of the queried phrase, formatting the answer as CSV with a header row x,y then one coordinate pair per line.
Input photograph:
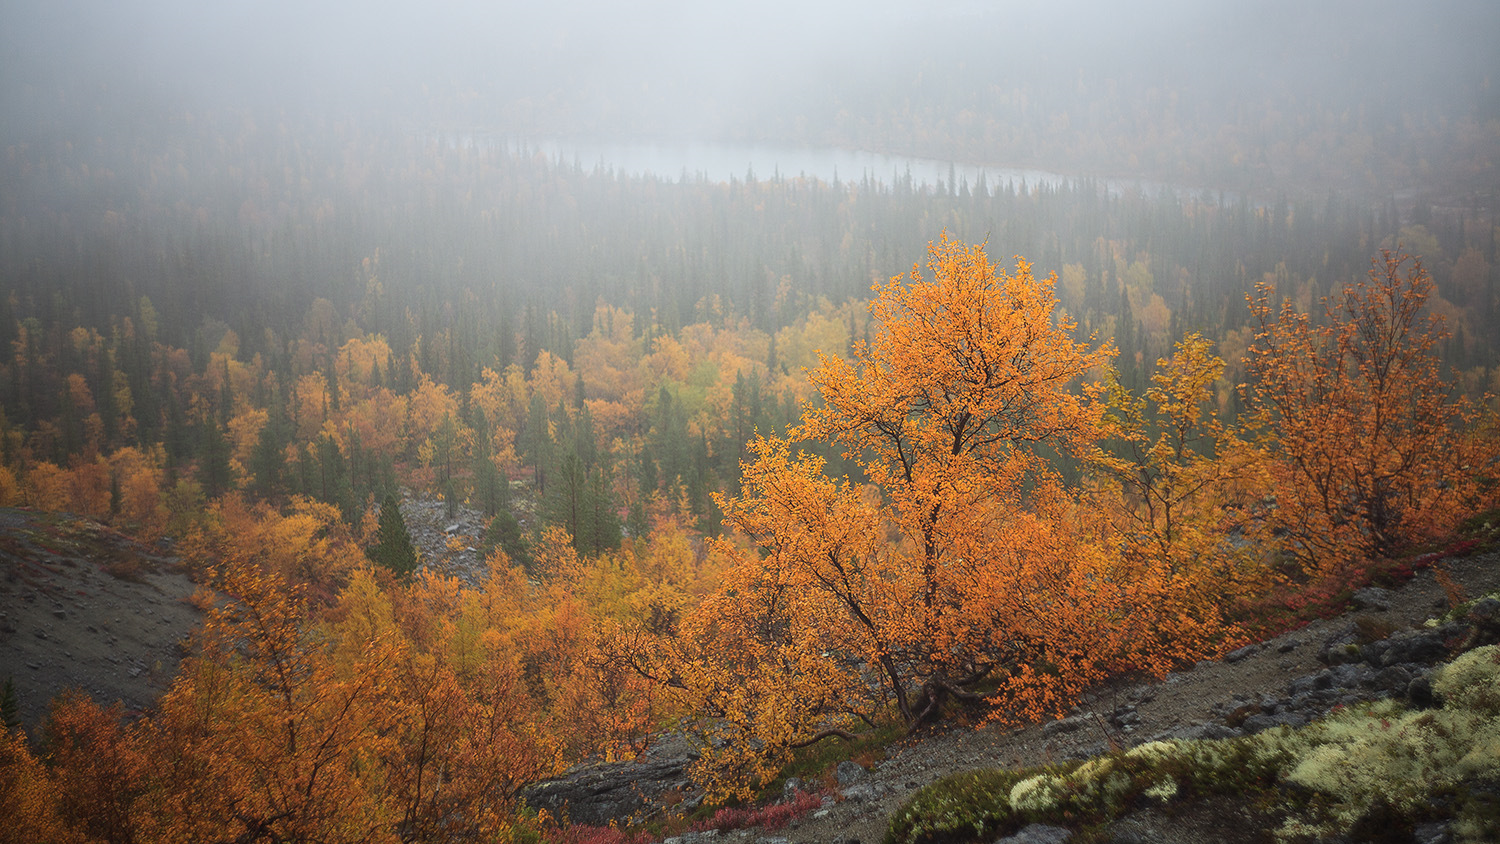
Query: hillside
x,y
85,607
1201,702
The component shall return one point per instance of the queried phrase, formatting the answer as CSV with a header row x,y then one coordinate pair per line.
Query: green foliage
x,y
393,548
214,470
10,708
1482,528
504,532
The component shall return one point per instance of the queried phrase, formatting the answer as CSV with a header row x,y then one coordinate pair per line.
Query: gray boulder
x,y
849,773
1342,646
1038,833
1423,646
1372,598
615,791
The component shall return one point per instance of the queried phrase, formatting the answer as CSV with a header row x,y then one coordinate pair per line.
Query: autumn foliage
x,y
1375,450
1008,525
964,570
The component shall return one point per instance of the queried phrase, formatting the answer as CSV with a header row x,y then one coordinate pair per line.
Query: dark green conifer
x,y
10,707
393,548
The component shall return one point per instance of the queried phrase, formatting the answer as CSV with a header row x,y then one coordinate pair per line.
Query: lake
x,y
723,162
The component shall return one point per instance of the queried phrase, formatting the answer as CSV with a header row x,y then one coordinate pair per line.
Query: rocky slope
x,y
451,544
1289,679
83,607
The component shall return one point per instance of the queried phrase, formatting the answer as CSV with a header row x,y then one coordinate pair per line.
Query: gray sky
x,y
693,67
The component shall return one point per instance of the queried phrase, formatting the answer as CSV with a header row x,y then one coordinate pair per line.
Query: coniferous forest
x,y
767,461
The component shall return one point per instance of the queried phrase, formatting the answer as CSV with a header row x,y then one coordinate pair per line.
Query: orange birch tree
x,y
1368,436
901,594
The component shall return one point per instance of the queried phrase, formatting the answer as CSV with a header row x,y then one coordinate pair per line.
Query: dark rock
x,y
1087,751
1373,652
1196,732
863,791
849,773
1065,725
1485,611
1419,693
1241,654
1288,646
790,789
1341,647
1393,679
1125,717
1372,598
1426,646
1257,723
1432,833
616,791
1352,675
1038,833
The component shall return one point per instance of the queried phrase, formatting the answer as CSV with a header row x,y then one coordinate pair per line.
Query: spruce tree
x,y
393,548
10,707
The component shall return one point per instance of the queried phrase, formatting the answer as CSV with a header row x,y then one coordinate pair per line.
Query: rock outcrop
x,y
626,792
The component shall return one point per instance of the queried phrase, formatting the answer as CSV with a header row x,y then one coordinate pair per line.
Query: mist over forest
x,y
1152,330
901,77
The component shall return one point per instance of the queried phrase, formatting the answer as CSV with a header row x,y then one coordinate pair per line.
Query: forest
x,y
765,462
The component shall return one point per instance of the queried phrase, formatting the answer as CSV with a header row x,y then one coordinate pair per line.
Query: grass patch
x,y
815,764
1483,529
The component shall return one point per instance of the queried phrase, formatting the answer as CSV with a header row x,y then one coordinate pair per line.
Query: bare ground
x,y
84,607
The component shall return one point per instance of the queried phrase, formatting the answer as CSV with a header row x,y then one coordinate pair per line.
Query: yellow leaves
x,y
10,490
553,555
669,361
309,545
244,432
28,795
967,558
551,379
427,406
360,358
607,359
966,371
502,398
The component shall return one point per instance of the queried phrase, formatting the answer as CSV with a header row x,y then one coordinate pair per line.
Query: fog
x,y
668,69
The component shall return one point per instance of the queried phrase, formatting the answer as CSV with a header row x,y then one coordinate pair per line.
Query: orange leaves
x,y
98,765
309,545
29,796
857,601
266,735
966,366
969,371
1368,428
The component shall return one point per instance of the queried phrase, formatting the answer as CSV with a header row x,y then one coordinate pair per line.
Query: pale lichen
x,y
1037,794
